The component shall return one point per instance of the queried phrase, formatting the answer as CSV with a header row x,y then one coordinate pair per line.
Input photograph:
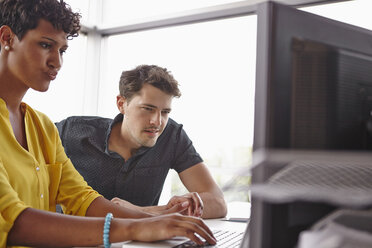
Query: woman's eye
x,y
45,45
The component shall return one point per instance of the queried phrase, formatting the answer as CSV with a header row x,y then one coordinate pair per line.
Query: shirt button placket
x,y
37,168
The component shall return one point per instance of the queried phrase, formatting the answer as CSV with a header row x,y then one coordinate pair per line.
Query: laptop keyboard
x,y
225,239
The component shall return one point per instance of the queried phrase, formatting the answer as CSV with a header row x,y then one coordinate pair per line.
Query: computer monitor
x,y
314,82
313,92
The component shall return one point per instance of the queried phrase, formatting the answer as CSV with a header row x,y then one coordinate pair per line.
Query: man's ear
x,y
120,103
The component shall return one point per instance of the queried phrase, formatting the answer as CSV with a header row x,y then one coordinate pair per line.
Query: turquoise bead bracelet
x,y
106,230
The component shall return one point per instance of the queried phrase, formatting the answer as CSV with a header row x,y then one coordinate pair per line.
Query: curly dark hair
x,y
131,82
24,15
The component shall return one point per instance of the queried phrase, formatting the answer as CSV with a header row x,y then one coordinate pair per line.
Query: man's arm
x,y
101,206
174,206
198,179
124,209
204,200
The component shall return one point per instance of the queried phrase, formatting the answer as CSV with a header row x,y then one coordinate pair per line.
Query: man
x,y
128,158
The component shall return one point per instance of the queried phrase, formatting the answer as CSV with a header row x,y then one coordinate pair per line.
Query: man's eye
x,y
148,109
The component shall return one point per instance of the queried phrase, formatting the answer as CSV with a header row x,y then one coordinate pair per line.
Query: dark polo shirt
x,y
138,180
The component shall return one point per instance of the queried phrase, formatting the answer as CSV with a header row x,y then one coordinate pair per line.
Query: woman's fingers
x,y
168,226
194,226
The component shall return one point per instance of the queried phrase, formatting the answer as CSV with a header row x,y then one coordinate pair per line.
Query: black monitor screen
x,y
331,98
313,82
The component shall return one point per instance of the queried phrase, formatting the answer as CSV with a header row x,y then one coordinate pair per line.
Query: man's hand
x,y
192,200
198,179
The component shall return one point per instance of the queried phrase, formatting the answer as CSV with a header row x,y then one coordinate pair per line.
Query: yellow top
x,y
39,178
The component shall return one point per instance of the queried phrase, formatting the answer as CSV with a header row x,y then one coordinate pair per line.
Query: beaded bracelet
x,y
106,230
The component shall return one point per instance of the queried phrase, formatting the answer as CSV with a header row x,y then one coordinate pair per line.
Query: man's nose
x,y
156,119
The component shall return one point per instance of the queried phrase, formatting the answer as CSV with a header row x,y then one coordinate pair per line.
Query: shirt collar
x,y
3,106
117,119
4,109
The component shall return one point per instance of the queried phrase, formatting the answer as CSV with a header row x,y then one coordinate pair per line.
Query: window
x,y
355,12
119,12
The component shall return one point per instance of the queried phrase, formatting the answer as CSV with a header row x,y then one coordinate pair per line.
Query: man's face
x,y
145,116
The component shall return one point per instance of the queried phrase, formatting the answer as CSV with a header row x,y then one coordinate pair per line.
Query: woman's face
x,y
36,59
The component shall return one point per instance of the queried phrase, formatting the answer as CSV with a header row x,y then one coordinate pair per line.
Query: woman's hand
x,y
165,227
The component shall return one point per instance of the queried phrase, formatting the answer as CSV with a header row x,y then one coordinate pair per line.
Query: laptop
x,y
226,235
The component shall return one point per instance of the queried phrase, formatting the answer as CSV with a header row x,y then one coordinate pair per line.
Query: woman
x,y
35,173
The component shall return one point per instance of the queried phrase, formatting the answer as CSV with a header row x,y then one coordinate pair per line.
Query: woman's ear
x,y
6,36
120,103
